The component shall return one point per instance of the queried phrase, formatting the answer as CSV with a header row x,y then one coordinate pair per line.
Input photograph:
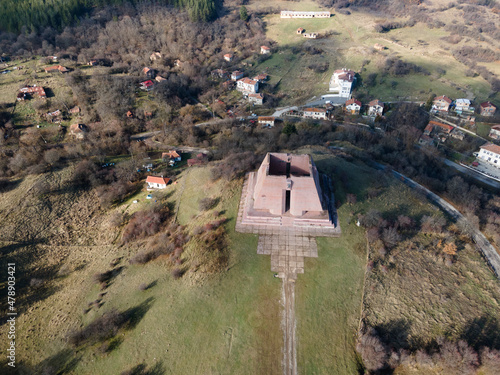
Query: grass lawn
x,y
483,129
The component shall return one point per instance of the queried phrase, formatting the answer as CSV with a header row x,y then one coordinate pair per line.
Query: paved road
x,y
473,174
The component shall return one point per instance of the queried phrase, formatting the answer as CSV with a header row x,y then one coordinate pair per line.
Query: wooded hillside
x,y
38,14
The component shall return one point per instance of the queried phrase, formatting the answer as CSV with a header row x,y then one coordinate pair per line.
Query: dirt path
x,y
289,324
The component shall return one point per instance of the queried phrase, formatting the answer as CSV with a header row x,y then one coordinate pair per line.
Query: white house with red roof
x,y
315,113
353,106
490,153
342,82
147,85
441,104
155,182
236,75
487,109
228,57
247,86
495,132
264,50
375,108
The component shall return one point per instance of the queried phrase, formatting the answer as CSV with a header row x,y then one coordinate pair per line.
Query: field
x,y
350,44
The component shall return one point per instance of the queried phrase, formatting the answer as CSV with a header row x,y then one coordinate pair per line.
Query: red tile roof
x,y
171,154
375,102
157,180
445,127
353,101
314,110
248,81
492,148
147,83
443,97
265,48
487,104
265,118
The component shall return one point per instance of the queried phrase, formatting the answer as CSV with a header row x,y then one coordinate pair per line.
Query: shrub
x,y
146,223
99,330
207,204
372,350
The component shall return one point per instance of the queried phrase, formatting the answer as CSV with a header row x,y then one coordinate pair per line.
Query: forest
x,y
38,14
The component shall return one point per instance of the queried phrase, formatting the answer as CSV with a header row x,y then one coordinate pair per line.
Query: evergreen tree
x,y
243,13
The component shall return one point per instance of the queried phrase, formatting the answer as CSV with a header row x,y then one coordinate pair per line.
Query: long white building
x,y
490,153
302,14
341,82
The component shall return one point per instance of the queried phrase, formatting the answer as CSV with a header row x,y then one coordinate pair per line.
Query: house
x,y
75,110
146,85
264,50
342,82
490,153
261,77
353,106
236,75
495,132
228,57
93,62
38,90
437,127
300,30
310,35
159,79
155,182
379,47
155,56
219,73
171,155
247,86
53,58
315,113
375,108
462,105
266,121
302,14
487,109
227,84
22,96
426,140
58,68
441,104
78,130
150,73
130,114
257,99
178,63
199,160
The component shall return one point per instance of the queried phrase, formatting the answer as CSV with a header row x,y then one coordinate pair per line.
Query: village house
x,y
21,96
247,86
219,73
199,160
342,82
171,155
155,182
75,110
155,56
490,153
260,77
266,121
150,73
302,14
300,30
228,57
93,62
264,50
159,79
146,85
236,75
315,113
379,47
487,109
462,105
353,106
53,58
257,99
58,68
78,130
310,35
375,108
434,130
457,134
441,104
38,90
495,132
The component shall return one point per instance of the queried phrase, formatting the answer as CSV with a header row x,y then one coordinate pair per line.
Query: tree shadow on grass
x,y
62,362
395,333
482,331
142,369
134,315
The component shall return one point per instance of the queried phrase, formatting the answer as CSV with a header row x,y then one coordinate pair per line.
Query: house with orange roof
x,y
375,108
247,86
315,113
55,68
487,109
172,154
155,182
441,104
265,50
228,57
